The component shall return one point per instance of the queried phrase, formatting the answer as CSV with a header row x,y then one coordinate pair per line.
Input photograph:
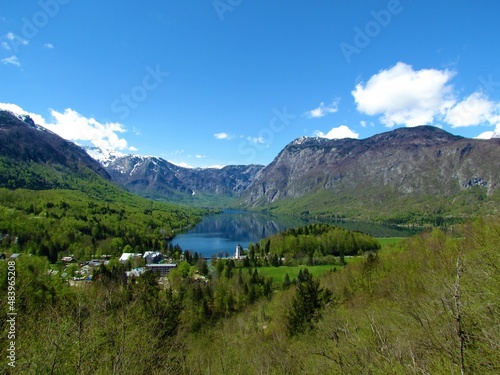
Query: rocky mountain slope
x,y
155,177
398,174
404,165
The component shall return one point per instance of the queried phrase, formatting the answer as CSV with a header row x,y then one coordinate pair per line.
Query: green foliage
x,y
54,223
391,207
316,244
430,306
305,309
278,273
395,312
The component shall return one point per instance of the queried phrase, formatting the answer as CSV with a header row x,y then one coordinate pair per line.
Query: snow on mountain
x,y
103,156
24,116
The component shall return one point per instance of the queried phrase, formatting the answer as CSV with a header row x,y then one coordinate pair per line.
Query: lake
x,y
219,234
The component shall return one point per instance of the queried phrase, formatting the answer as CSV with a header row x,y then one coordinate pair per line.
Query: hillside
x,y
422,171
427,305
55,200
35,158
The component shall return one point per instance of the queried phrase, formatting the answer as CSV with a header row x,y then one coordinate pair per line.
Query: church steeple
x,y
239,250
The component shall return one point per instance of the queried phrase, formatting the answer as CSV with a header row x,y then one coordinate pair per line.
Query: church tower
x,y
238,252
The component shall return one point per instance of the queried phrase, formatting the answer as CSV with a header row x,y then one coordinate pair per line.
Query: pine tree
x,y
286,282
307,303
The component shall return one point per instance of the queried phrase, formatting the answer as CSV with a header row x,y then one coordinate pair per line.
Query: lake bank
x,y
220,233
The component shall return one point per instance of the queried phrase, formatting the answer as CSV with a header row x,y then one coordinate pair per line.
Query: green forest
x,y
390,207
428,304
57,223
315,244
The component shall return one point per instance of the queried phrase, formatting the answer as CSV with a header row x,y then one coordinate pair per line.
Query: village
x,y
77,273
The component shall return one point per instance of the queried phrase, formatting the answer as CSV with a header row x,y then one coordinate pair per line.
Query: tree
x,y
306,305
202,266
286,282
267,246
368,268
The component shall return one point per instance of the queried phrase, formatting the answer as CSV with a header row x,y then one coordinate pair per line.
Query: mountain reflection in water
x,y
219,234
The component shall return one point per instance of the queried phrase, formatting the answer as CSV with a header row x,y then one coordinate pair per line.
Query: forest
x,y
314,244
428,304
56,223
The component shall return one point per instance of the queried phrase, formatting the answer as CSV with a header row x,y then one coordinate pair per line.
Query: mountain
x,y
34,157
102,155
55,200
422,169
404,175
155,177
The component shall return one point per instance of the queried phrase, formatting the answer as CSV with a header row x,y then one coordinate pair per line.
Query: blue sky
x,y
218,82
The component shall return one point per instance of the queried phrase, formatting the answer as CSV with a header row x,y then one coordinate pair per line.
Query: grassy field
x,y
389,244
278,273
384,241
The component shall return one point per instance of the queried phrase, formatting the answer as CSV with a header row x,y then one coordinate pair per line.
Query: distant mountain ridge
x,y
423,169
417,162
399,174
153,176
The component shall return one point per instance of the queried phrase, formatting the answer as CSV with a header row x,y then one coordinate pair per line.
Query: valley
x,y
332,278
409,176
235,187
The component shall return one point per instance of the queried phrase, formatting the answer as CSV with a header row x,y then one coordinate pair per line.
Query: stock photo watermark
x,y
11,314
488,84
139,93
363,36
224,6
31,26
278,123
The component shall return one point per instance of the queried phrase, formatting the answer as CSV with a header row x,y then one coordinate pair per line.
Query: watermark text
x,y
11,313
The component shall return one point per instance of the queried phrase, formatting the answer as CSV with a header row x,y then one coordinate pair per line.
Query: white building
x,y
239,252
126,256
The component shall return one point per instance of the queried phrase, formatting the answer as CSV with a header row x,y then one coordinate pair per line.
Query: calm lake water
x,y
219,234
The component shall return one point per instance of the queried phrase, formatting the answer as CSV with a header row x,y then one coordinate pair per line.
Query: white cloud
x,y
364,124
181,164
10,40
18,110
323,109
474,110
13,37
490,134
48,45
200,156
486,135
406,96
259,140
215,166
73,126
222,136
132,148
12,60
342,131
